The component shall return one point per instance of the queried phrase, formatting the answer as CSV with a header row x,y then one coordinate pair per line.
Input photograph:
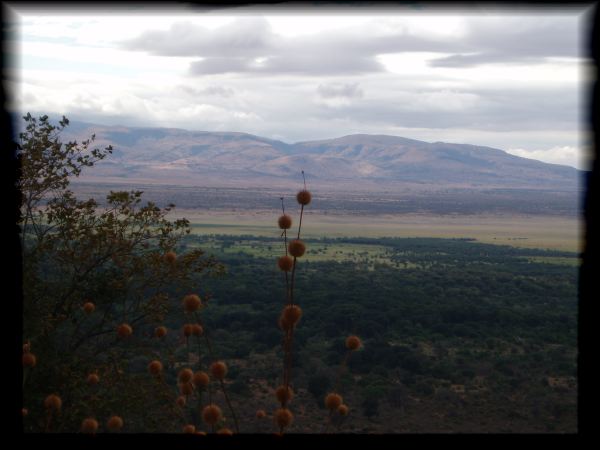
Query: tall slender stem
x,y
343,365
235,421
210,351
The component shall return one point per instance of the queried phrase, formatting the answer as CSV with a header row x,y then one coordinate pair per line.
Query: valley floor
x,y
529,231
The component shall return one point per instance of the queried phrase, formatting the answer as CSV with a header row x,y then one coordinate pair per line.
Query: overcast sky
x,y
515,80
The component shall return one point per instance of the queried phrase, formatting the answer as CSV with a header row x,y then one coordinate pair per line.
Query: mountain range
x,y
358,161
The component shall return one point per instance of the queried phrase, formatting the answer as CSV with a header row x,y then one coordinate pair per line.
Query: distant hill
x,y
175,156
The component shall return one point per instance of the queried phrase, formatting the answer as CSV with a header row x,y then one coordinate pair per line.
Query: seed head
x,y
89,425
201,379
160,332
333,401
24,412
353,343
201,433
155,367
285,222
89,307
124,330
225,431
218,370
29,360
343,410
304,197
191,303
180,401
93,379
26,347
185,375
291,315
261,414
211,414
115,423
197,329
285,263
296,248
284,324
188,329
53,402
283,417
186,389
170,257
284,395
189,429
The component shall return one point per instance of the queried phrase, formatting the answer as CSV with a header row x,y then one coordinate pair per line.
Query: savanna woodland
x,y
133,322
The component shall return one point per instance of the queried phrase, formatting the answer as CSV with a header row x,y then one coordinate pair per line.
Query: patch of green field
x,y
340,252
556,233
559,260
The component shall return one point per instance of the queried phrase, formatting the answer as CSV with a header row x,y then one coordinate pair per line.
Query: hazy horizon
x,y
501,78
55,117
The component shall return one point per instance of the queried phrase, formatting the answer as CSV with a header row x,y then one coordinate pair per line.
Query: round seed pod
x,y
160,332
185,375
89,425
291,314
353,343
284,324
284,222
188,329
304,197
200,379
24,412
296,248
342,410
181,401
89,307
93,379
225,431
124,330
283,417
115,423
170,257
261,414
333,401
197,329
201,433
186,388
218,370
189,429
191,303
53,402
212,414
284,395
285,263
29,360
155,367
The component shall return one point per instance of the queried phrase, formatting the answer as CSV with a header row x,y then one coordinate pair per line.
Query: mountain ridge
x,y
176,154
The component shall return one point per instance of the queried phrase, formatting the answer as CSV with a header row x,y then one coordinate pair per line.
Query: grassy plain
x,y
528,231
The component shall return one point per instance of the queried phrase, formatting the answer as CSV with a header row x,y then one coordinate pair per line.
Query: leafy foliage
x,y
75,252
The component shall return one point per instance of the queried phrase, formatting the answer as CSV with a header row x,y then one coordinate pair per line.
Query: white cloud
x,y
316,75
566,155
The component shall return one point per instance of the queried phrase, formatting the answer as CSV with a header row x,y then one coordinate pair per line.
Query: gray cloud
x,y
515,40
490,110
350,90
243,37
301,64
240,46
248,45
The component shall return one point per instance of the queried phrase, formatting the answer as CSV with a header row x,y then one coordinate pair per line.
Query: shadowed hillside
x,y
166,155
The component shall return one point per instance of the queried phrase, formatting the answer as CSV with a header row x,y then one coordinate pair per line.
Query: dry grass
x,y
558,233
